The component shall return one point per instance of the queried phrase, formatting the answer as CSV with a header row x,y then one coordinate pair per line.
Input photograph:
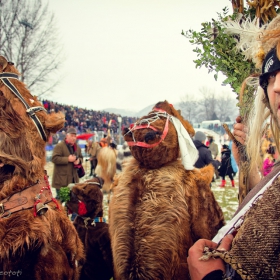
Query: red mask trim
x,y
143,144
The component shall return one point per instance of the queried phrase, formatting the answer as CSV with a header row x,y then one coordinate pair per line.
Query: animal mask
x,y
86,198
153,139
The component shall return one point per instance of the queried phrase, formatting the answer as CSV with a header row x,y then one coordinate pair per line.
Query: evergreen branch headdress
x,y
254,41
257,43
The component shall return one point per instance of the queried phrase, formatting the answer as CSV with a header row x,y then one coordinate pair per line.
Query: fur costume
x,y
159,209
86,200
38,242
106,166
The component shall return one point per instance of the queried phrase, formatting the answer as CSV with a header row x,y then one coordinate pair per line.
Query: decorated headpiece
x,y
271,64
189,153
258,44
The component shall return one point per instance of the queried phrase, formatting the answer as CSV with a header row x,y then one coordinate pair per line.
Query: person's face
x,y
273,91
71,138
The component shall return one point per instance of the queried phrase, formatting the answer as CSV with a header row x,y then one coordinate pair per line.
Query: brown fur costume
x,y
106,167
94,235
43,246
159,209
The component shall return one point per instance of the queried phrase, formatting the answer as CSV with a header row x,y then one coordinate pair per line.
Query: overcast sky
x,y
130,53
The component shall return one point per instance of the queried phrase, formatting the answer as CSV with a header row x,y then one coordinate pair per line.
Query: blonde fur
x,y
259,116
106,167
257,121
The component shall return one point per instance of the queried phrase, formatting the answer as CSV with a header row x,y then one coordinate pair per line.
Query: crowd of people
x,y
86,120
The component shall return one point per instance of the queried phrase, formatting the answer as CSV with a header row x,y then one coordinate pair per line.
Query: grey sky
x,y
130,54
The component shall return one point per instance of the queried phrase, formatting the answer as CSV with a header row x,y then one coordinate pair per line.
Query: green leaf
x,y
64,194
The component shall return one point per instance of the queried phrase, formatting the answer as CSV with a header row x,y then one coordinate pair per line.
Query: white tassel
x,y
249,33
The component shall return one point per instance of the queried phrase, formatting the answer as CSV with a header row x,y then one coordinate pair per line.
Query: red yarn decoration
x,y
34,208
82,210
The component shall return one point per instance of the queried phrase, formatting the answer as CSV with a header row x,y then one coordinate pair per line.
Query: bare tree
x,y
227,108
208,102
189,107
28,37
208,106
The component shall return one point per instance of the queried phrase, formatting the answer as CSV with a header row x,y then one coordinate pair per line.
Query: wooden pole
x,y
243,166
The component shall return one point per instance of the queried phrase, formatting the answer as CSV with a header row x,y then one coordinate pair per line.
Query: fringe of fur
x,y
106,167
156,215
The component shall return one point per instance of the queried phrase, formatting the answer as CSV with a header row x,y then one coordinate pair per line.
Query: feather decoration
x,y
253,82
249,37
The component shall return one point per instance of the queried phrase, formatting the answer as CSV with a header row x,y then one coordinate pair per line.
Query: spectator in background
x,y
66,157
104,141
93,151
233,162
213,147
269,160
204,154
226,168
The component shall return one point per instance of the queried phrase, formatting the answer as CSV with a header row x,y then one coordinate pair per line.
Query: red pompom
x,y
82,210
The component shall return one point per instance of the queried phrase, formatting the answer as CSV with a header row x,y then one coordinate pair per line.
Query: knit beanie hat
x,y
200,136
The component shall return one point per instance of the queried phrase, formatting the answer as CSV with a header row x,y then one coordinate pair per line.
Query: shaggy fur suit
x,y
159,209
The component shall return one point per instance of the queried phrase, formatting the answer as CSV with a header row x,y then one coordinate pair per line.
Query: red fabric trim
x,y
82,210
145,145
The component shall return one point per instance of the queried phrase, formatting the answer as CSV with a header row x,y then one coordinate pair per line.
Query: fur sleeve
x,y
208,217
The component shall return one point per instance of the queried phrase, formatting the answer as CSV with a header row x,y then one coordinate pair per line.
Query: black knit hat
x,y
270,65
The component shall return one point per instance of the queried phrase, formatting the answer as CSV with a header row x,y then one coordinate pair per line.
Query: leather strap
x,y
26,199
30,110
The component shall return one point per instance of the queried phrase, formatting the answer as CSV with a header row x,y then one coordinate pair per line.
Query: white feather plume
x,y
253,82
249,33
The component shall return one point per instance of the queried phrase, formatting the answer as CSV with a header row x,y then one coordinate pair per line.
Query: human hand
x,y
240,131
240,134
199,268
72,158
76,162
